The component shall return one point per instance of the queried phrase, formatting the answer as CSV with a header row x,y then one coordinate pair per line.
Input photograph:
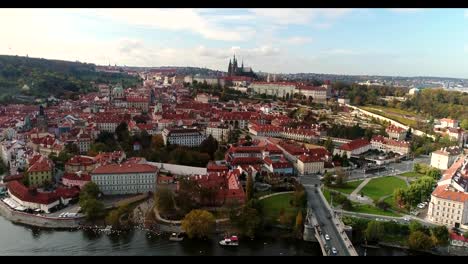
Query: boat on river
x,y
176,237
232,241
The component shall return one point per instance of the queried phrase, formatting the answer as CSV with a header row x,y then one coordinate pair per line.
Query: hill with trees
x,y
39,77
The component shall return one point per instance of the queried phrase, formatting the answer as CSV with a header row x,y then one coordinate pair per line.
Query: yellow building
x,y
40,170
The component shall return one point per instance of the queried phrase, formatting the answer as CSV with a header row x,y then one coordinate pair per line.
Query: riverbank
x,y
39,221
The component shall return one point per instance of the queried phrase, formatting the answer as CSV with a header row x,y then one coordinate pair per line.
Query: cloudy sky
x,y
404,42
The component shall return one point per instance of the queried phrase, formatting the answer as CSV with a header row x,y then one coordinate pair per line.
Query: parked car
x,y
327,237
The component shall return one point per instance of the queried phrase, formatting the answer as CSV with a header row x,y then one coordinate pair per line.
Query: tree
x,y
123,135
249,188
327,179
399,196
219,154
440,235
417,167
164,200
465,235
374,231
92,208
90,189
329,145
419,241
341,177
299,222
248,221
157,141
209,145
383,205
464,124
198,224
248,138
434,173
415,226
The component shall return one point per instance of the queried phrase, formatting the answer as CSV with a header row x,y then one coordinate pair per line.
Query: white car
x,y
334,251
327,237
406,218
421,206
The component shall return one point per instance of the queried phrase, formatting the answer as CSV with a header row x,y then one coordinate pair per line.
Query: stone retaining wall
x,y
39,221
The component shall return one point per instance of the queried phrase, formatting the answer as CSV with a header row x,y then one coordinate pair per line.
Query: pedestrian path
x,y
359,188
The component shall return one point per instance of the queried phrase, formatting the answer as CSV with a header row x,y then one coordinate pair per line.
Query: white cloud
x,y
340,52
178,20
406,10
300,16
298,40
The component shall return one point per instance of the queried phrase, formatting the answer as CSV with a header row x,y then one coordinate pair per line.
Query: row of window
x,y
449,204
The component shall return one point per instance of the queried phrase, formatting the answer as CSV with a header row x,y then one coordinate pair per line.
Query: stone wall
x,y
39,221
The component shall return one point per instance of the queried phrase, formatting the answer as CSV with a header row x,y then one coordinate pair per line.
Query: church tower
x,y
230,68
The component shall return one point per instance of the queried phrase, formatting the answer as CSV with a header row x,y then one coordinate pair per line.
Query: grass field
x,y
411,174
273,205
393,113
348,188
369,209
384,186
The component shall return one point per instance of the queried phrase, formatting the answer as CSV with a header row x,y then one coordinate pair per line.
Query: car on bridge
x,y
327,237
334,251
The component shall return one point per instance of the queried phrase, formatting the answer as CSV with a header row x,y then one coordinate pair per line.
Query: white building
x,y
390,145
189,137
125,178
447,122
353,148
279,89
309,164
220,133
445,157
397,133
449,200
413,91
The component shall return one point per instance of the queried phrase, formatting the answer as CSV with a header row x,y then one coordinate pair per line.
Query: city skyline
x,y
386,42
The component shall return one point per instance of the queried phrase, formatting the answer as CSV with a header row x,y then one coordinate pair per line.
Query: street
x,y
390,169
322,214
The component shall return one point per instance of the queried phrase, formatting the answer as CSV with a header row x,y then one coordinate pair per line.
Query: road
x,y
322,214
391,169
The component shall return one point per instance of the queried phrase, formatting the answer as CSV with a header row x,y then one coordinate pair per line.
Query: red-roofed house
x,y
387,144
75,179
449,200
40,170
31,198
353,148
80,163
397,133
128,178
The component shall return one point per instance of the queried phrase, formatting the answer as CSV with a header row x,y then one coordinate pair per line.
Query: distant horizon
x,y
173,66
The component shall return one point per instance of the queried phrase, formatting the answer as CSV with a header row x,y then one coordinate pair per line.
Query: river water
x,y
23,240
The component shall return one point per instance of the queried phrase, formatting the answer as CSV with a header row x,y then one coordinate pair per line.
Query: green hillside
x,y
51,77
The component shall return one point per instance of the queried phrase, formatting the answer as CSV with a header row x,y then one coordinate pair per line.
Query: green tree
x,y
92,208
417,167
419,241
327,179
440,235
328,144
248,221
434,173
341,178
198,224
465,235
249,188
209,145
164,200
464,124
219,154
374,231
415,226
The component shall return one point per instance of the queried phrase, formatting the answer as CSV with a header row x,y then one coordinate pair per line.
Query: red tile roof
x,y
124,169
76,177
355,144
443,192
30,195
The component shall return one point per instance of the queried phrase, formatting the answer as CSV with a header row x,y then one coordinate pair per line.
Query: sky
x,y
396,42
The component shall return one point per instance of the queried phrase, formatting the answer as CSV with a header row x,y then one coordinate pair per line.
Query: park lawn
x,y
387,112
273,205
384,186
348,188
369,209
326,194
393,204
411,174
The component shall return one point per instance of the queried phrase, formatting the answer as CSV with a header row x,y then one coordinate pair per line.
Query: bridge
x,y
321,220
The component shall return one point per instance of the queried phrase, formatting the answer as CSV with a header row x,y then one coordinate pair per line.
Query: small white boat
x,y
230,241
176,237
107,230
